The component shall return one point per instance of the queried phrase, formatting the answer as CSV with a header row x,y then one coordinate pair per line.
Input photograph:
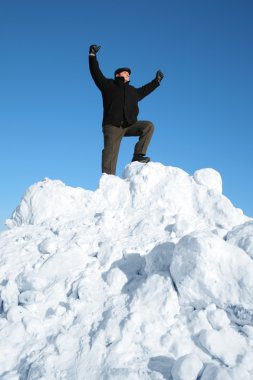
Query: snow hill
x,y
148,277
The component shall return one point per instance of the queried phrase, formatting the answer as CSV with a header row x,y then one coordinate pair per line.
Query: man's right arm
x,y
95,71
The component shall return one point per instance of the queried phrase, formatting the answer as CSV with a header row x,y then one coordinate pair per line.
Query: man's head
x,y
123,72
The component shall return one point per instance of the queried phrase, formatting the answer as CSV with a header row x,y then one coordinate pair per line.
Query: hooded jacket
x,y
120,99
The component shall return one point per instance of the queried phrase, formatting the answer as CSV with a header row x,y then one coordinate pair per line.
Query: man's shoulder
x,y
131,87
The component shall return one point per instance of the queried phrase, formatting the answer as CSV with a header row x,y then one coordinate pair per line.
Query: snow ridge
x,y
148,277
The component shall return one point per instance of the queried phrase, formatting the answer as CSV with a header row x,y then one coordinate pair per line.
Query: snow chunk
x,y
29,297
50,199
116,279
240,315
153,309
48,245
217,317
213,372
156,298
16,313
9,295
207,270
159,259
154,181
198,321
11,345
31,281
209,178
114,192
187,367
217,343
242,237
33,326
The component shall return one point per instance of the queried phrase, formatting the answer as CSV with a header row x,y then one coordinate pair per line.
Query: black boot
x,y
140,158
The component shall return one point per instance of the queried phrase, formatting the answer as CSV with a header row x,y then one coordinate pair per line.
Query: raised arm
x,y
95,71
151,86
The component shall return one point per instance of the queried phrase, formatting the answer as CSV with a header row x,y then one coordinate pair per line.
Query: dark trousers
x,y
112,139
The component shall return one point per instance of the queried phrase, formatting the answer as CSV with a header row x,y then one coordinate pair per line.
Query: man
x,y
120,102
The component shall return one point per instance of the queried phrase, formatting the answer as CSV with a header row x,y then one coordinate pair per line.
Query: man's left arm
x,y
151,86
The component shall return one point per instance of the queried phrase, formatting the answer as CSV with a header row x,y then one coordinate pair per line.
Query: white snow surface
x,y
148,277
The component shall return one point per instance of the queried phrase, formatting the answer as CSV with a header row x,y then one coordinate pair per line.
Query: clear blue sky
x,y
51,111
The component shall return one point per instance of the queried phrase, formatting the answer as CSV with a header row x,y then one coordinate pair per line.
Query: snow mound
x,y
148,277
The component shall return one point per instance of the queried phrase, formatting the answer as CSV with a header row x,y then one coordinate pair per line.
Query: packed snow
x,y
148,277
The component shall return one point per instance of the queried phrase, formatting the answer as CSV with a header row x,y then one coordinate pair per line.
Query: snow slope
x,y
148,277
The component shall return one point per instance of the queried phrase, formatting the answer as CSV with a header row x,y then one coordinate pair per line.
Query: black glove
x,y
159,76
94,49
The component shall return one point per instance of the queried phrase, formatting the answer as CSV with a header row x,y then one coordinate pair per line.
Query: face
x,y
125,75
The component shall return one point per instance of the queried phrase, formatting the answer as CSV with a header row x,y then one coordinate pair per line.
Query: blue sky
x,y
51,111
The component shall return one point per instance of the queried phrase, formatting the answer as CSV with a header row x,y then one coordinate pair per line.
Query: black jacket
x,y
120,100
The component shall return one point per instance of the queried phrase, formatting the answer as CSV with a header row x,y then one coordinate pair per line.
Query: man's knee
x,y
150,126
